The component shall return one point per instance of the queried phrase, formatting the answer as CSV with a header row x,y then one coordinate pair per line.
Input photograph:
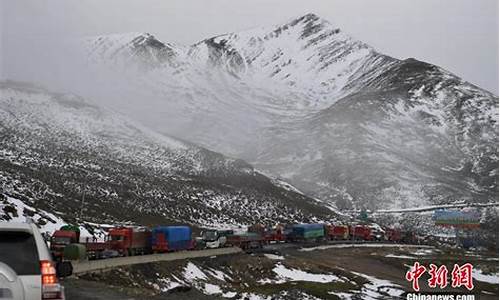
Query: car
x,y
27,270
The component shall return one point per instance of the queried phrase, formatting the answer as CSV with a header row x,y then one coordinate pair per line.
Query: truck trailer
x,y
171,238
130,240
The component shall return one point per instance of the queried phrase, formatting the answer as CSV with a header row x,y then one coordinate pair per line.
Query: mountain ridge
x,y
306,102
58,149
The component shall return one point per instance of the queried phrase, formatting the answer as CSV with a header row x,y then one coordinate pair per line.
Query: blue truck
x,y
171,238
306,232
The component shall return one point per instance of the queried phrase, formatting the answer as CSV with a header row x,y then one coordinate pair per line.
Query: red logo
x,y
460,276
414,274
439,276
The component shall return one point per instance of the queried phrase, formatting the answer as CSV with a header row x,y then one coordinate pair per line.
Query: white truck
x,y
27,271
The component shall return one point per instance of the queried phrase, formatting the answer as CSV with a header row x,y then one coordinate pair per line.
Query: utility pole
x,y
82,204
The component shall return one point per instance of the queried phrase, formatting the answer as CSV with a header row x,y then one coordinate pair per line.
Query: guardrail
x,y
89,266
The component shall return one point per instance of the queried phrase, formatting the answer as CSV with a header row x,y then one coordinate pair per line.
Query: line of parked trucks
x,y
65,243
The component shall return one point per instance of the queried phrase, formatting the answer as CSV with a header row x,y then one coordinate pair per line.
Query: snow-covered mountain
x,y
57,150
307,102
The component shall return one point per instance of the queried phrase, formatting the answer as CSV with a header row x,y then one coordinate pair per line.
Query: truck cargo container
x,y
171,238
307,232
130,241
362,232
95,249
337,232
393,235
75,252
249,240
269,234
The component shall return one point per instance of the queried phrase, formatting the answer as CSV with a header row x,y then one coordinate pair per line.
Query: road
x,y
83,267
89,266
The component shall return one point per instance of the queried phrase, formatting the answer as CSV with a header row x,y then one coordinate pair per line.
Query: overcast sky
x,y
459,35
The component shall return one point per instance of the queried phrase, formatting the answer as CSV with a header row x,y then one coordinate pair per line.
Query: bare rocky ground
x,y
288,273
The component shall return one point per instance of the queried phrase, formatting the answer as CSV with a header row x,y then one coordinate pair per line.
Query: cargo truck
x,y
269,234
171,238
362,232
307,232
67,234
337,232
245,241
130,240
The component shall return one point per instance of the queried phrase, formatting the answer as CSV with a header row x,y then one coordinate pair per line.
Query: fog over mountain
x,y
61,154
302,101
306,102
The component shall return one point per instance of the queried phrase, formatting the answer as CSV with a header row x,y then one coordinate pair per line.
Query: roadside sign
x,y
457,218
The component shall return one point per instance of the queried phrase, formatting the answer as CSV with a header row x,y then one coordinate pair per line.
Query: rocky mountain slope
x,y
58,149
306,102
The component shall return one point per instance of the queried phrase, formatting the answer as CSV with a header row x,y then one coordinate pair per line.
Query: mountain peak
x,y
309,17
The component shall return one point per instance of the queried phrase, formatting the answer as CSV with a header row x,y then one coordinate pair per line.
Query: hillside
x,y
57,149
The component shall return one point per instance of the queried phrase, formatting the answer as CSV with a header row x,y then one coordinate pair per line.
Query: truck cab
x,y
130,240
119,239
59,240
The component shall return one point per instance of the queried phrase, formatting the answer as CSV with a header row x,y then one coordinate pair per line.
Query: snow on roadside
x,y
165,284
192,273
199,279
229,294
423,252
251,296
211,289
218,274
274,256
285,274
400,256
378,288
478,275
343,296
324,247
52,222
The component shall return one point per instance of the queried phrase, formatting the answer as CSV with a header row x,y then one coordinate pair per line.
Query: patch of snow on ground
x,y
364,246
343,296
218,274
274,256
423,252
379,288
53,222
285,274
192,272
167,284
251,296
211,289
478,275
400,256
229,294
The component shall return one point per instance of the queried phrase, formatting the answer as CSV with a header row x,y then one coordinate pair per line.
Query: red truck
x,y
362,232
268,234
393,235
66,235
337,232
130,241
